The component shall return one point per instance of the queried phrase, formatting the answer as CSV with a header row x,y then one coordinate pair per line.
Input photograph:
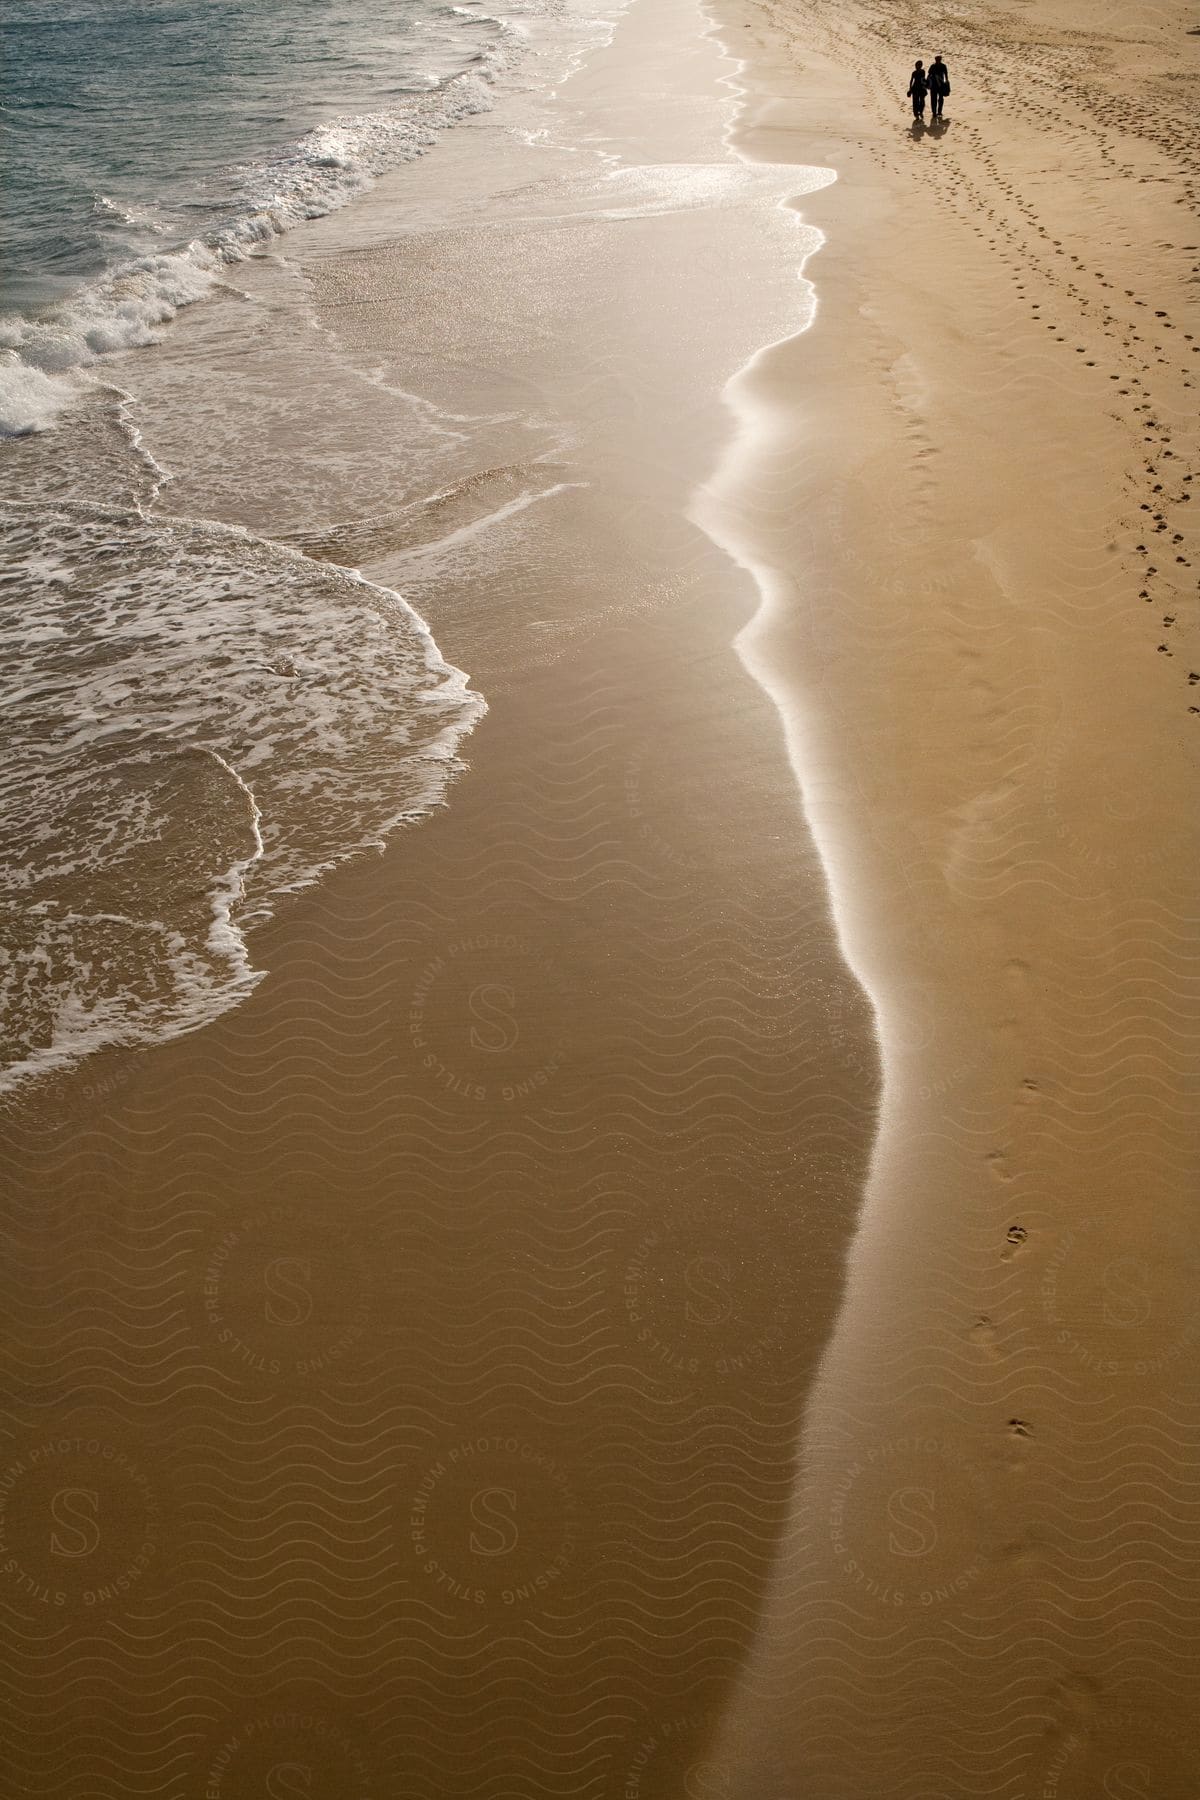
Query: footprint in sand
x,y
1016,1237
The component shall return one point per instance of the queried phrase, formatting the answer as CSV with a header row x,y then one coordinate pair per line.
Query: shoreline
x,y
497,1168
326,166
989,1469
650,1292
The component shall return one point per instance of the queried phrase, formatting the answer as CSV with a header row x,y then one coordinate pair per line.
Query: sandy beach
x,y
680,1278
981,578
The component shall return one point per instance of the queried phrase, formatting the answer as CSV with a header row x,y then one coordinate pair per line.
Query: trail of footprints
x,y
1124,336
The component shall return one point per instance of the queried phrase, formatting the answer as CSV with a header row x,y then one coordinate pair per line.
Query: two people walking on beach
x,y
932,83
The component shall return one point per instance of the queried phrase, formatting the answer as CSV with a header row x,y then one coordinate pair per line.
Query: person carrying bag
x,y
939,85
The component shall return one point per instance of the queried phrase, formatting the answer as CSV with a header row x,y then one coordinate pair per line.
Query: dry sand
x,y
438,1377
969,487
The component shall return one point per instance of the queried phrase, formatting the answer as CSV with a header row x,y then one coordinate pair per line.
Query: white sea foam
x,y
30,400
639,190
197,722
138,218
327,168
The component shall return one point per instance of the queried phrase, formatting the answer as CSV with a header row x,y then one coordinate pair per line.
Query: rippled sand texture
x,y
970,489
407,1368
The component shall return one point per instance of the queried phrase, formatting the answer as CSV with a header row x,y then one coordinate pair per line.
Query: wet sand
x,y
470,1366
971,507
449,1306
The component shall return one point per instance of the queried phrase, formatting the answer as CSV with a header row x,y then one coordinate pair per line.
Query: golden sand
x,y
681,1280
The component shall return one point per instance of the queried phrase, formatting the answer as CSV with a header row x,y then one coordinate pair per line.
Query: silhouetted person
x,y
918,87
939,85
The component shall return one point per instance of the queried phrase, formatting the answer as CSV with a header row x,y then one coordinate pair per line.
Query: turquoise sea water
x,y
195,721
148,144
128,124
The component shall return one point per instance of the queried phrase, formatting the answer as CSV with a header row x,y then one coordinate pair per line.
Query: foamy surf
x,y
198,722
44,354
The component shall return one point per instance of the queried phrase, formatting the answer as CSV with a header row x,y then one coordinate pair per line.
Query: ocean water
x,y
148,144
127,121
195,721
